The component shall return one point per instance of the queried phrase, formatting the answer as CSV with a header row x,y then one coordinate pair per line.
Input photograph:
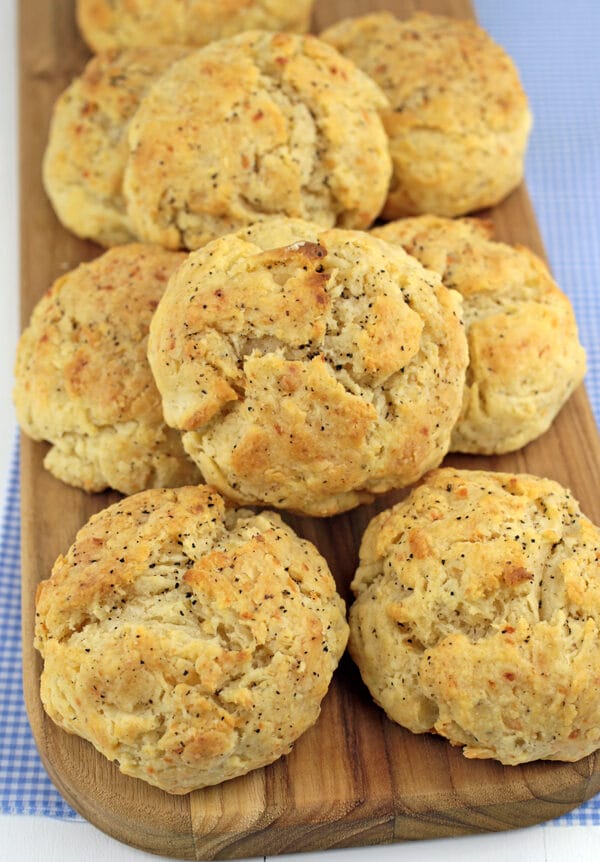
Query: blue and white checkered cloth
x,y
555,47
24,786
563,174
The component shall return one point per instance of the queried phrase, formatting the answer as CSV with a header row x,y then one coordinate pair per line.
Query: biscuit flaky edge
x,y
106,24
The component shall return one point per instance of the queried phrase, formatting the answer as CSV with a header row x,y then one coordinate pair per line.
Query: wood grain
x,y
355,778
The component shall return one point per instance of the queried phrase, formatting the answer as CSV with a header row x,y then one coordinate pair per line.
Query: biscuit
x,y
83,382
525,358
87,146
108,24
459,118
188,642
477,616
254,126
308,368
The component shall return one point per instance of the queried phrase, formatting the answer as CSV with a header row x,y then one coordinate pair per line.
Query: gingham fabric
x,y
555,47
563,174
24,786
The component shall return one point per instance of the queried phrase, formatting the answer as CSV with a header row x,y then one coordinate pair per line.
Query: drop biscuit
x,y
477,616
308,369
188,642
82,377
525,359
458,118
87,149
255,126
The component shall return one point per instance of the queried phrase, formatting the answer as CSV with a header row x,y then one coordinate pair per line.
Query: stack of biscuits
x,y
296,308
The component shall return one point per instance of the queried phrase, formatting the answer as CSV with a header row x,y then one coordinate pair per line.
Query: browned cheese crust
x,y
82,377
261,124
458,120
188,643
309,368
124,23
477,616
525,358
87,146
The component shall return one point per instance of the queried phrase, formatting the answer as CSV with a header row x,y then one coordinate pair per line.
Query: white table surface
x,y
28,839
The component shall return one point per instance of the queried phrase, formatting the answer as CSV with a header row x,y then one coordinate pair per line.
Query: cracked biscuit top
x,y
254,126
525,358
477,616
123,23
87,147
82,377
458,118
308,368
187,642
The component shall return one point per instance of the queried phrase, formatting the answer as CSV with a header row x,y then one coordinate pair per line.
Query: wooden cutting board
x,y
355,778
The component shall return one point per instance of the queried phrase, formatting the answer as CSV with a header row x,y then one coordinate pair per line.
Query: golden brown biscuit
x,y
309,368
189,643
108,24
87,147
525,358
83,381
258,125
477,616
458,120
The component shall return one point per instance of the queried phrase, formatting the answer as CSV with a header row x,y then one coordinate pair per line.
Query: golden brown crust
x,y
106,24
258,125
489,633
82,378
525,358
310,368
87,147
189,643
459,119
